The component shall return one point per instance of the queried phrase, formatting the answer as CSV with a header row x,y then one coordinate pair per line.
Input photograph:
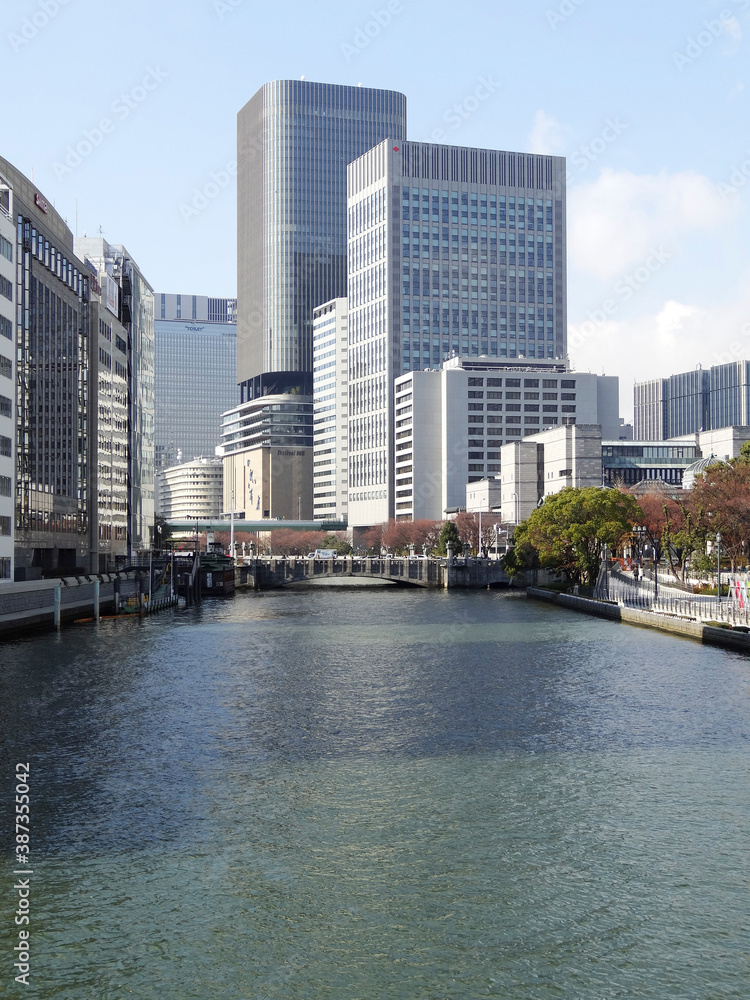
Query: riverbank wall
x,y
43,604
708,634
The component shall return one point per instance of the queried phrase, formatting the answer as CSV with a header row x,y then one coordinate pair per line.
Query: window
x,y
6,288
568,409
531,383
476,395
549,395
513,383
476,406
5,446
531,395
6,328
567,395
6,407
5,486
549,383
567,383
494,381
476,381
6,366
6,248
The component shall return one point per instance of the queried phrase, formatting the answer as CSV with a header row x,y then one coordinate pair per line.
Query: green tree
x,y
570,529
449,535
336,542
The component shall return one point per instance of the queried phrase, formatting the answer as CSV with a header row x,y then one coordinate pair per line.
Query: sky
x,y
126,115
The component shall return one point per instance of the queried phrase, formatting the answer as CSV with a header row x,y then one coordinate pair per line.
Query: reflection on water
x,y
391,794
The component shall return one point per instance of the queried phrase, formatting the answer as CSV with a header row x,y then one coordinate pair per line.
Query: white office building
x,y
451,425
545,463
191,490
330,411
7,380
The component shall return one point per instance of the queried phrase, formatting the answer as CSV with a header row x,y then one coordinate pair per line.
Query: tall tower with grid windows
x,y
295,139
453,252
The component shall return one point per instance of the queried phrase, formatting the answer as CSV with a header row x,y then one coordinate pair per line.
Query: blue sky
x,y
646,98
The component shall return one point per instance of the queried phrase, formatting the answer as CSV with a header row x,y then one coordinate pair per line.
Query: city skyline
x,y
657,168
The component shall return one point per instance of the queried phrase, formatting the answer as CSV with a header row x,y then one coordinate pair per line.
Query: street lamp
x,y
497,541
718,567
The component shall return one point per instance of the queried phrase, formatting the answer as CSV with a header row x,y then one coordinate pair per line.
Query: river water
x,y
348,794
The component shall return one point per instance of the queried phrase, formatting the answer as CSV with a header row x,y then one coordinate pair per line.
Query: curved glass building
x,y
295,139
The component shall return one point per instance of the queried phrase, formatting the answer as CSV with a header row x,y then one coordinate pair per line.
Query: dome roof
x,y
697,468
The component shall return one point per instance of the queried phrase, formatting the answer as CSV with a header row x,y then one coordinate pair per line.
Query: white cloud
x,y
616,220
547,136
675,338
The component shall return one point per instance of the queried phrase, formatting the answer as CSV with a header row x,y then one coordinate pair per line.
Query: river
x,y
390,793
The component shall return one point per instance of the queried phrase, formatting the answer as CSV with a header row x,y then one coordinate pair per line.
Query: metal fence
x,y
660,597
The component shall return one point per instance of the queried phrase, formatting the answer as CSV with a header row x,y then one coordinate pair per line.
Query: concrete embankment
x,y
708,634
43,604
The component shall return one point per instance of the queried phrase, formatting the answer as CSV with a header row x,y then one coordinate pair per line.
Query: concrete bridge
x,y
278,571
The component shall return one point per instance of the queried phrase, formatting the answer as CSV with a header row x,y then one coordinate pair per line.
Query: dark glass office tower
x,y
294,142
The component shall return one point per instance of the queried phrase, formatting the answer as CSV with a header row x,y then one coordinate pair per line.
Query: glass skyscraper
x,y
295,139
196,361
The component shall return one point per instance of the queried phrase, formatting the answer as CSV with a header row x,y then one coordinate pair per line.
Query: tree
x,y
371,539
449,536
338,542
569,530
722,495
162,532
674,524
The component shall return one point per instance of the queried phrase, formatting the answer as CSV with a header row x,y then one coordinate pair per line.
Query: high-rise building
x,y
266,445
294,141
128,292
7,379
195,374
51,341
693,401
330,411
451,251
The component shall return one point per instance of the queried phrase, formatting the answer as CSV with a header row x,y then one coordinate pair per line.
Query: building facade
x,y
543,464
294,141
266,446
451,425
51,340
452,251
195,374
125,284
330,411
694,401
7,380
191,490
108,423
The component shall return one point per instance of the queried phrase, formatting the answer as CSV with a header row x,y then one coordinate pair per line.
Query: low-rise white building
x,y
543,464
451,425
191,490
